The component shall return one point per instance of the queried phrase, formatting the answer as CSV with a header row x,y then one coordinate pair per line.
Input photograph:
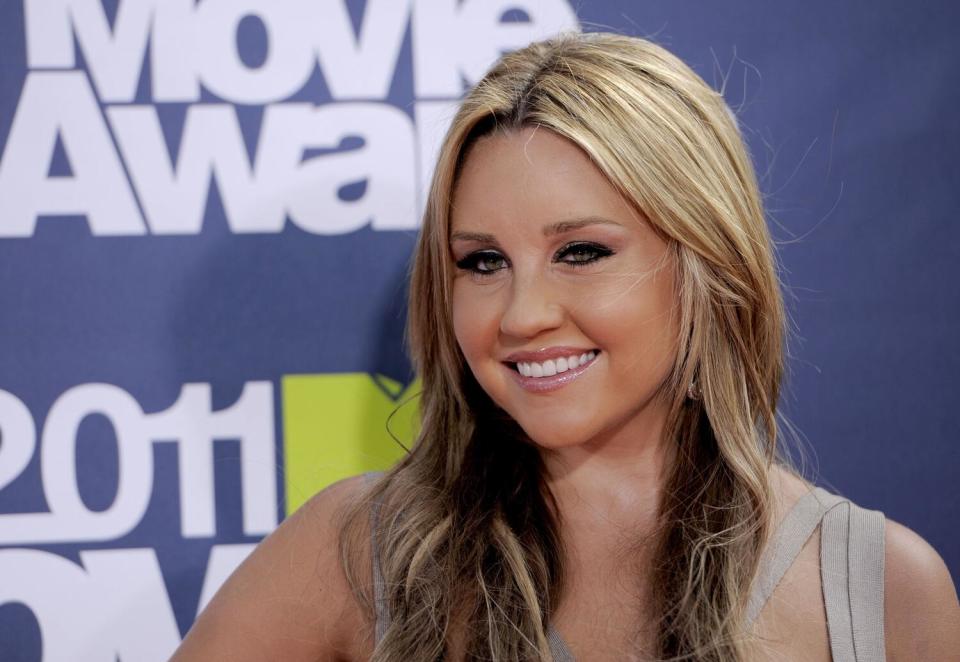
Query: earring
x,y
693,391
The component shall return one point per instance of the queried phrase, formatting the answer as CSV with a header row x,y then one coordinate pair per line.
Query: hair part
x,y
468,531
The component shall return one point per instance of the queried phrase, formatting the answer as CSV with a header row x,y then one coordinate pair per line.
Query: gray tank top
x,y
851,571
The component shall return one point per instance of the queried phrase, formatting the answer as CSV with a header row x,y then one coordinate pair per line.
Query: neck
x,y
615,479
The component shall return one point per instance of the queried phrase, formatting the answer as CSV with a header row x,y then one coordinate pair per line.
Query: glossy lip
x,y
552,383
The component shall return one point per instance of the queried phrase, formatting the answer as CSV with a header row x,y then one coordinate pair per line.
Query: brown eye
x,y
483,262
581,253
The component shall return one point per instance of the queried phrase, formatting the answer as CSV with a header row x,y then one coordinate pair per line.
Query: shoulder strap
x,y
380,605
558,648
785,545
851,569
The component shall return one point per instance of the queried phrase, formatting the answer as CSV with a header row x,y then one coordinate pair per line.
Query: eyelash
x,y
472,261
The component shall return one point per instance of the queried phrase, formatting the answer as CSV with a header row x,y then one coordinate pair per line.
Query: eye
x,y
581,253
483,262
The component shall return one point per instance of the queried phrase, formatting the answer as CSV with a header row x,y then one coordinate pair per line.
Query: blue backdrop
x,y
206,212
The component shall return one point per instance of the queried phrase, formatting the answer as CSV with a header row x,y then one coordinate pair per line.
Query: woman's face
x,y
563,298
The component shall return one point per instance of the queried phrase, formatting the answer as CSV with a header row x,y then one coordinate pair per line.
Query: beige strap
x,y
834,572
851,570
866,583
559,649
785,545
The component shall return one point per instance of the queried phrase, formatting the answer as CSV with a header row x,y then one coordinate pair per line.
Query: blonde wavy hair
x,y
467,530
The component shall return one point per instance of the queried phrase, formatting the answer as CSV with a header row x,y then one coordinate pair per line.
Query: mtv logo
x,y
340,425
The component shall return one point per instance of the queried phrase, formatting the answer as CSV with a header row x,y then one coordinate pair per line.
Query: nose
x,y
533,307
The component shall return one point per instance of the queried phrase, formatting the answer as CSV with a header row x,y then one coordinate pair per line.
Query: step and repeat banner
x,y
206,213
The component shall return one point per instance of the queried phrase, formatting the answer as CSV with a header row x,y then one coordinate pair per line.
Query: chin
x,y
555,436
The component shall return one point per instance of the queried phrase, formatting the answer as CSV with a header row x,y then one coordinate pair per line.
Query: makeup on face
x,y
563,300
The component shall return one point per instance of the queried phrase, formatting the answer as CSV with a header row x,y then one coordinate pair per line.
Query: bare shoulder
x,y
921,614
290,599
792,623
788,488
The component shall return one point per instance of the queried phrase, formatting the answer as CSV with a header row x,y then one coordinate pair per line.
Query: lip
x,y
552,383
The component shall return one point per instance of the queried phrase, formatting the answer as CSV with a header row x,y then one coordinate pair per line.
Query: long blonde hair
x,y
467,530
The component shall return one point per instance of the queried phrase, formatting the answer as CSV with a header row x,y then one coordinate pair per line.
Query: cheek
x,y
475,323
637,322
657,333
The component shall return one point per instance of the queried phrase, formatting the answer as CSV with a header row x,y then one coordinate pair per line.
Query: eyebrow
x,y
576,224
548,231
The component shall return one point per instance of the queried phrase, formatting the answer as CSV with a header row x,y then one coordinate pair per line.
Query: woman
x,y
596,320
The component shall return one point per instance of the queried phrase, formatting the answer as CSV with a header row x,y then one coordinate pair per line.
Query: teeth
x,y
552,367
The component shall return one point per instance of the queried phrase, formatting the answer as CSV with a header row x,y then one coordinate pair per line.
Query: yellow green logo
x,y
339,425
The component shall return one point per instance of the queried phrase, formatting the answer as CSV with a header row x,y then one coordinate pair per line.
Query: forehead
x,y
529,178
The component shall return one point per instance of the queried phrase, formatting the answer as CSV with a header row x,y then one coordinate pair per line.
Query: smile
x,y
551,374
551,367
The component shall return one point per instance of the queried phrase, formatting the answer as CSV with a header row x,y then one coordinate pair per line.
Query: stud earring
x,y
693,391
